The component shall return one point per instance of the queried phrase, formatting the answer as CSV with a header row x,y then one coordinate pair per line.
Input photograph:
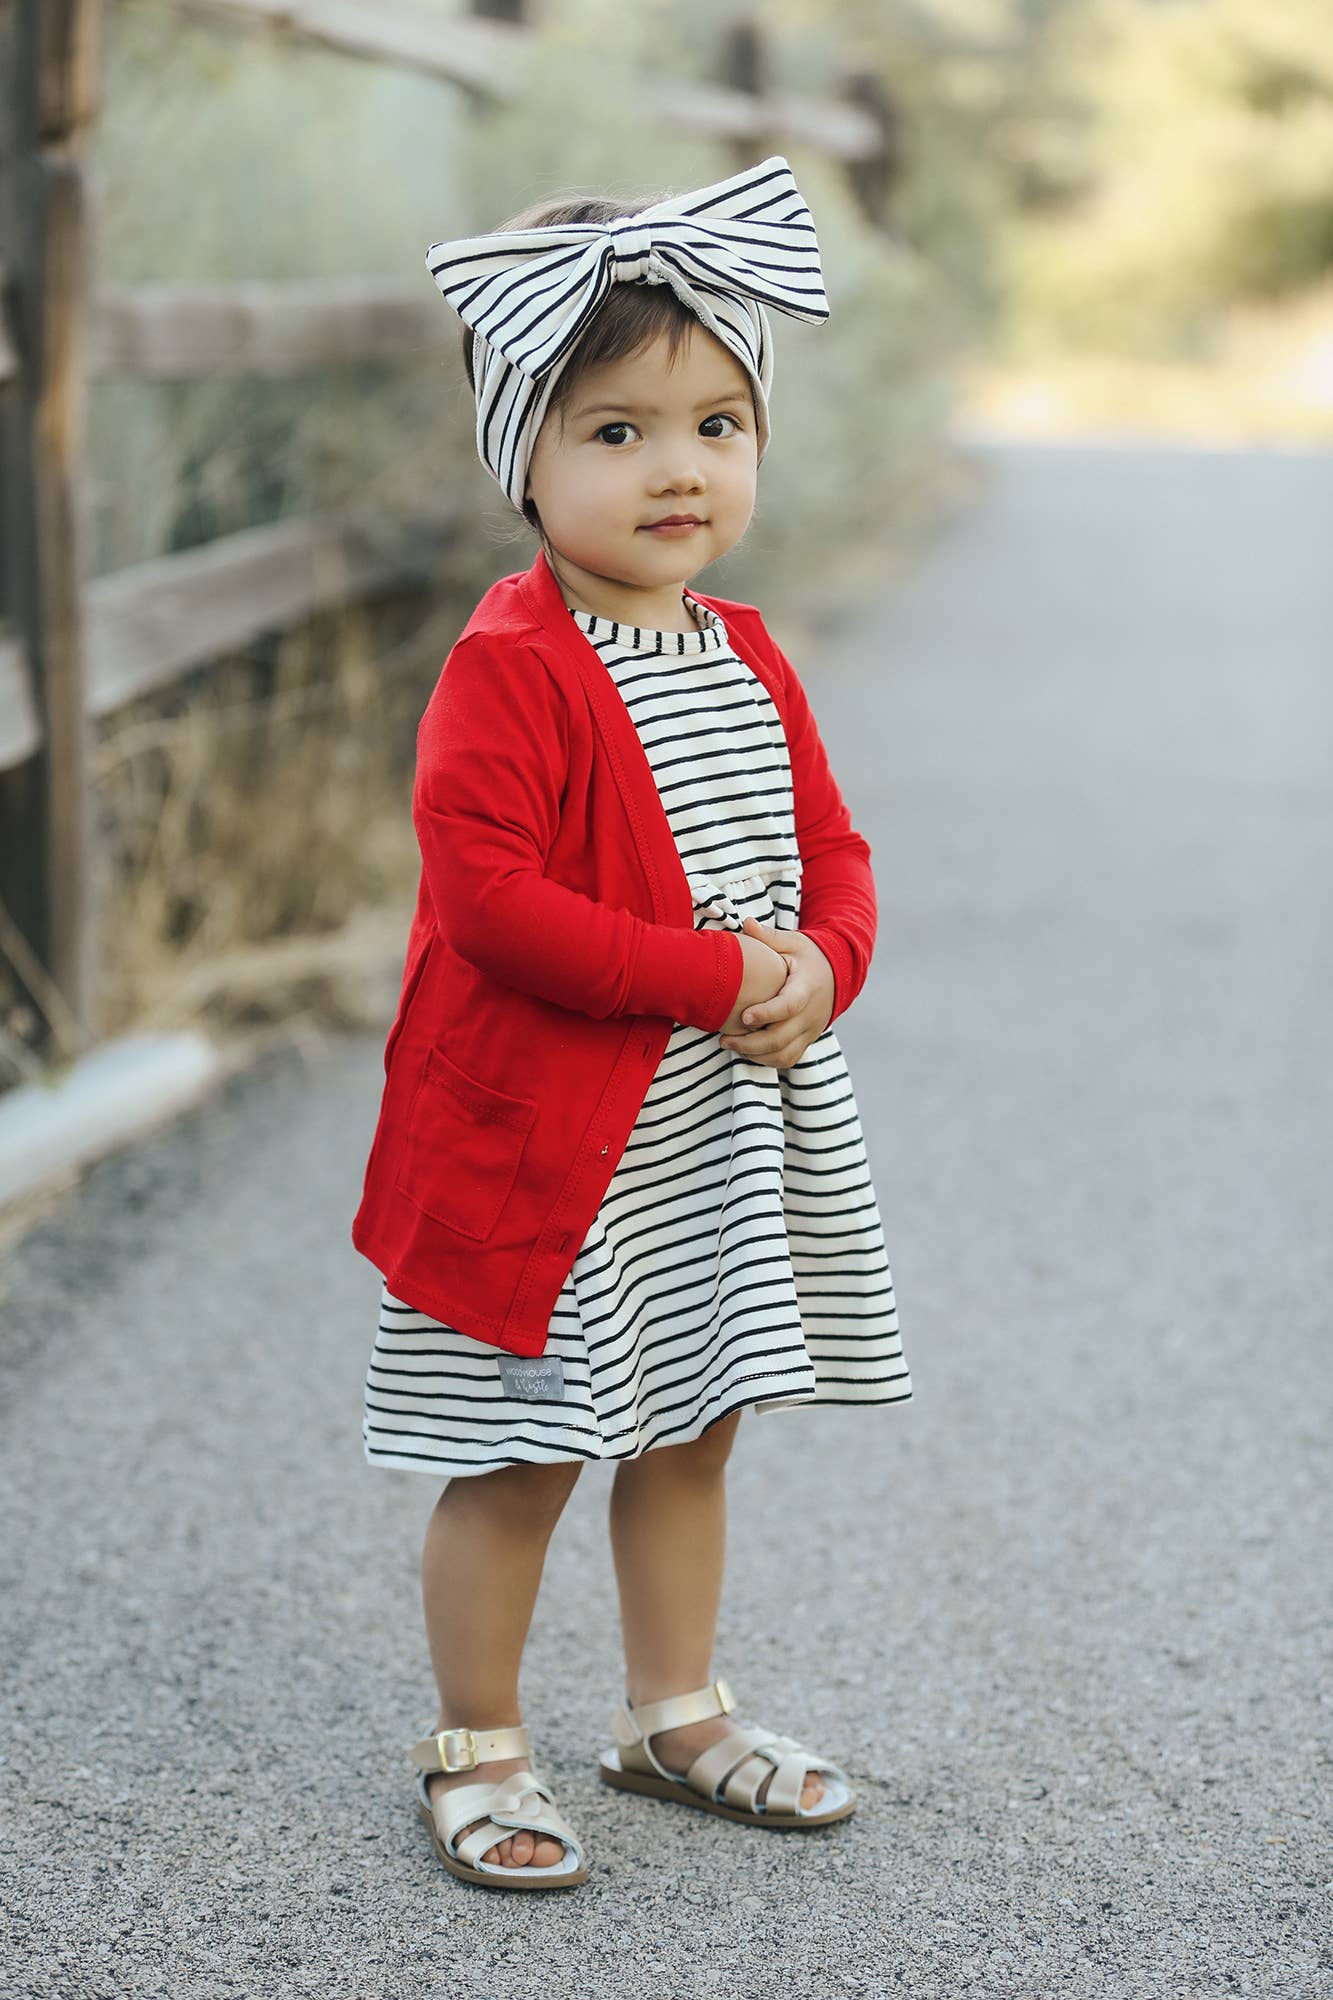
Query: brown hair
x,y
630,318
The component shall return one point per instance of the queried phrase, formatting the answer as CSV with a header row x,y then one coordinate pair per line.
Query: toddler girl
x,y
618,1190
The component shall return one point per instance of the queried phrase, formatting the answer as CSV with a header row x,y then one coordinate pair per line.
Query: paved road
x,y
1064,1615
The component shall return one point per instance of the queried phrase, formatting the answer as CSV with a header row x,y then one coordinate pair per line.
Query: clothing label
x,y
539,1377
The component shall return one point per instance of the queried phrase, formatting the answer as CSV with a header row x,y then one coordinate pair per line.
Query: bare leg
x,y
668,1522
481,1568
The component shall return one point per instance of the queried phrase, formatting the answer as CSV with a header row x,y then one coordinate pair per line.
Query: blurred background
x,y
1045,528
243,516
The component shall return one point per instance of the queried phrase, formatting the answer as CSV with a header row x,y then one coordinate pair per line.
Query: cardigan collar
x,y
659,857
542,594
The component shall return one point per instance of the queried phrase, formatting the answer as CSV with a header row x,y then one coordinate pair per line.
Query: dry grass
x,y
252,819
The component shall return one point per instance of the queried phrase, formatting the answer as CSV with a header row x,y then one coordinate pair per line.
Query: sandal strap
x,y
521,1801
463,1749
635,1724
768,1760
748,1756
712,1765
784,1794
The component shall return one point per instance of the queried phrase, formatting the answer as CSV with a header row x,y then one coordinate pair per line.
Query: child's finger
x,y
779,940
760,1041
779,1050
787,1001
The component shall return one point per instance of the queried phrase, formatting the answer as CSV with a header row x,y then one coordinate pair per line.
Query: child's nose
x,y
681,473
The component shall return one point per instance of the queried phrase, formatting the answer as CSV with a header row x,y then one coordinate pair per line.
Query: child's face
x,y
643,439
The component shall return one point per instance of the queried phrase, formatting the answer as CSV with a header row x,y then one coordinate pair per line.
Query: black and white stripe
x,y
729,251
738,1255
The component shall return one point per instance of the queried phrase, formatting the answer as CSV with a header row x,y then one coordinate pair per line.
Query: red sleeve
x,y
492,759
838,905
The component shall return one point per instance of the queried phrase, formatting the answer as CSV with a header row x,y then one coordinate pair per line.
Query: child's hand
x,y
784,1027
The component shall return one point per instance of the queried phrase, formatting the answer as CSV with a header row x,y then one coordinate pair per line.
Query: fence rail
x,y
168,331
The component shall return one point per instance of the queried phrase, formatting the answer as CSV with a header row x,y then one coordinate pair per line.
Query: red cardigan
x,y
552,948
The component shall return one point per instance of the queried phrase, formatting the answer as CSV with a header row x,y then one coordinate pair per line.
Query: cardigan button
x,y
605,1151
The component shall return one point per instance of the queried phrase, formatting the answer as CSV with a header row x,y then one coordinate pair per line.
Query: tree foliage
x,y
1186,163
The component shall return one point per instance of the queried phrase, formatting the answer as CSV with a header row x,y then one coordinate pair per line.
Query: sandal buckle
x,y
466,1759
724,1695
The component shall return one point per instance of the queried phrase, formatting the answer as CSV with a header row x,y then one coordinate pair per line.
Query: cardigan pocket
x,y
412,977
462,1146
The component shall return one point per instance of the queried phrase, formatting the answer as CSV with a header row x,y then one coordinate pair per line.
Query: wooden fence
x,y
72,650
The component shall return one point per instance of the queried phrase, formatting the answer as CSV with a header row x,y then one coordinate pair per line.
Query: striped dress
x,y
737,1258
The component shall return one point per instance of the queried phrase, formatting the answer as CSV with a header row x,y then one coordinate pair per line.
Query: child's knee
x,y
710,1451
531,1494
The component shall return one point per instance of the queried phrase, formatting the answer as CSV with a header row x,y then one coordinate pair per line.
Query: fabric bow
x,y
728,251
529,293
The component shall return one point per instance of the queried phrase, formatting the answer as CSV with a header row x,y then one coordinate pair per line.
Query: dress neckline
x,y
631,638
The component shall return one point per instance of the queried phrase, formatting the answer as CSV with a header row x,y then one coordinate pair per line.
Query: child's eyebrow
x,y
651,409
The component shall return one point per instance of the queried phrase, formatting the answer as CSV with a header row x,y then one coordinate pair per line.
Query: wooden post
x,y
745,69
874,181
48,77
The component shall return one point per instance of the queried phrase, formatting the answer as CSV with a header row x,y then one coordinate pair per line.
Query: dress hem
x,y
444,1468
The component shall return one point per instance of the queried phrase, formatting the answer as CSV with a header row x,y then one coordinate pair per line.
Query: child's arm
x,y
838,904
491,768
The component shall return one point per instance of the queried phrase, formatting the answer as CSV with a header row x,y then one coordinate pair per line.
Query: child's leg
x,y
668,1520
480,1571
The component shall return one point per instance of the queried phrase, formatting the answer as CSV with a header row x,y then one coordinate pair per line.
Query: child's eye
x,y
617,426
623,424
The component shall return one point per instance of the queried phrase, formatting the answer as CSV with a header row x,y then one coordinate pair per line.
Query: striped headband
x,y
727,251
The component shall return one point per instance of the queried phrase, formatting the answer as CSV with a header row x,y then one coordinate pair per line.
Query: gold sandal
x,y
522,1800
725,1778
